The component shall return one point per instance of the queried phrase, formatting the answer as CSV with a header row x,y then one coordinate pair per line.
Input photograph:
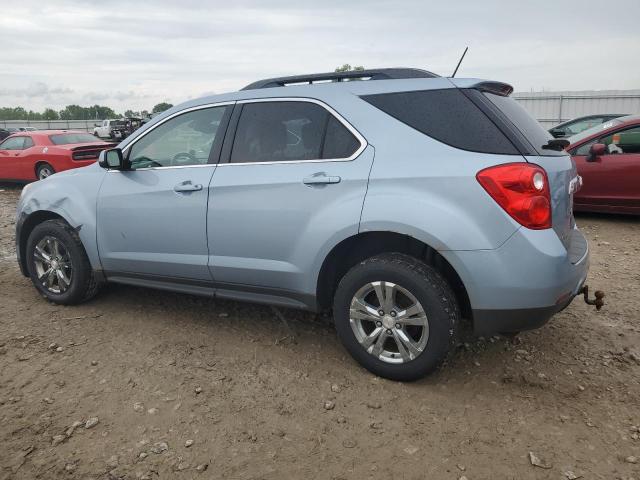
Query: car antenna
x,y
459,62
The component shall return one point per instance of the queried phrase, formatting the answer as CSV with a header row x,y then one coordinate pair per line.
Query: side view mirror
x,y
557,133
112,159
596,151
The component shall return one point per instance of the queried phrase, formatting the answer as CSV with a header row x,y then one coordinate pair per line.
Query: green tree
x,y
76,112
348,68
50,114
161,107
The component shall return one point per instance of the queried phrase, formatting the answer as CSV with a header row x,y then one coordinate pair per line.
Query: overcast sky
x,y
136,53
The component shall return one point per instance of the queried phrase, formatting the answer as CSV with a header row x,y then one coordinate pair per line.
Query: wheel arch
x,y
361,246
37,165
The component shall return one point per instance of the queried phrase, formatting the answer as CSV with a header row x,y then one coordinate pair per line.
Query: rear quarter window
x,y
447,116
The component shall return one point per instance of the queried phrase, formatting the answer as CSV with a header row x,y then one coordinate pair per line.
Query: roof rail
x,y
377,74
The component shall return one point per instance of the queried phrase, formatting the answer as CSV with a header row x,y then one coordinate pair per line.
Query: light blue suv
x,y
403,201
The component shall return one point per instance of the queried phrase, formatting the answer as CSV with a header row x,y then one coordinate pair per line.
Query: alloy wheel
x,y
44,172
53,264
389,322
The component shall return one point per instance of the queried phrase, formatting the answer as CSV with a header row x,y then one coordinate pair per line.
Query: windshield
x,y
590,131
69,138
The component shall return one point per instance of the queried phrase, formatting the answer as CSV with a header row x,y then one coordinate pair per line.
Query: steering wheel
x,y
142,160
183,158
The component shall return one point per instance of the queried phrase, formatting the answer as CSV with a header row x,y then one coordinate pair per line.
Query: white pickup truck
x,y
109,129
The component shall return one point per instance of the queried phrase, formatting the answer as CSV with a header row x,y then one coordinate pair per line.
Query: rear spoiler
x,y
497,88
94,146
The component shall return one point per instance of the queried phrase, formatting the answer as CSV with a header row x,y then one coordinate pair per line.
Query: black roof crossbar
x,y
377,74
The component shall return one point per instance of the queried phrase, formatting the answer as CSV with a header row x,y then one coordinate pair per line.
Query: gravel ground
x,y
145,384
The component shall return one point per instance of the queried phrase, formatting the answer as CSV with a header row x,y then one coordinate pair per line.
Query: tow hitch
x,y
598,302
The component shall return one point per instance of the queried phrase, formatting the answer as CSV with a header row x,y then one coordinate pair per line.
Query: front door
x,y
14,156
296,177
612,180
152,217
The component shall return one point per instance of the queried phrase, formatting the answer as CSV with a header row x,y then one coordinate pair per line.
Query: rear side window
x,y
447,116
290,131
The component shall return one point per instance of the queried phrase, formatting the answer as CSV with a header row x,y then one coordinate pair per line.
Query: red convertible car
x,y
607,157
29,156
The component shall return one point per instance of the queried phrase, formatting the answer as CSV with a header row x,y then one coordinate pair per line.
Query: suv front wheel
x,y
58,264
396,316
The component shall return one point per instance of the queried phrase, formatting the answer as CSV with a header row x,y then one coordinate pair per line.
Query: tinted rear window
x,y
447,116
69,138
525,123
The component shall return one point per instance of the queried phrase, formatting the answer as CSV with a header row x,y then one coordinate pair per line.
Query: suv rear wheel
x,y
58,264
396,315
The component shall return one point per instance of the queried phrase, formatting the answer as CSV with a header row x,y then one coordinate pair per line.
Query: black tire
x,y
83,283
427,286
44,170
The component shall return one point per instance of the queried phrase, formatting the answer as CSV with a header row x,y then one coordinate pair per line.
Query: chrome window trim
x,y
340,118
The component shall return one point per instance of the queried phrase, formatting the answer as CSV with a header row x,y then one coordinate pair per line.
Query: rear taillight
x,y
522,190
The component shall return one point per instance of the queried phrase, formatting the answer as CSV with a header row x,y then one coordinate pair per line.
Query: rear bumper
x,y
522,284
487,322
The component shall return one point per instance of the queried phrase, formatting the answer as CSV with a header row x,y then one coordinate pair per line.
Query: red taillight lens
x,y
522,189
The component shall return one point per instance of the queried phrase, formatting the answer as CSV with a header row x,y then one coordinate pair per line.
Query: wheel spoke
x,y
372,337
360,315
41,255
362,306
377,347
56,248
419,321
51,277
45,275
63,280
406,345
385,291
402,349
408,312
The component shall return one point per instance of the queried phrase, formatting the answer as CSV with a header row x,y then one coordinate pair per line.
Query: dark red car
x,y
29,156
608,159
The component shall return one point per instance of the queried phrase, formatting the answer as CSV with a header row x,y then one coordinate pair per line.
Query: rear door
x,y
296,175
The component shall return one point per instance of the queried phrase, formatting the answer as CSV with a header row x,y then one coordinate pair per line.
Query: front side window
x,y
623,141
15,143
282,131
186,139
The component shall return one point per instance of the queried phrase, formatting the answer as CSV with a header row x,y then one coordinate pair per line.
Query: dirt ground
x,y
186,387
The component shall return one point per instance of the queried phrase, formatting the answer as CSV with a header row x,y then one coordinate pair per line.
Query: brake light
x,y
522,190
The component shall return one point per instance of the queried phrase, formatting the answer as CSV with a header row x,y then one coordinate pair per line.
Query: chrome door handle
x,y
320,179
187,187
